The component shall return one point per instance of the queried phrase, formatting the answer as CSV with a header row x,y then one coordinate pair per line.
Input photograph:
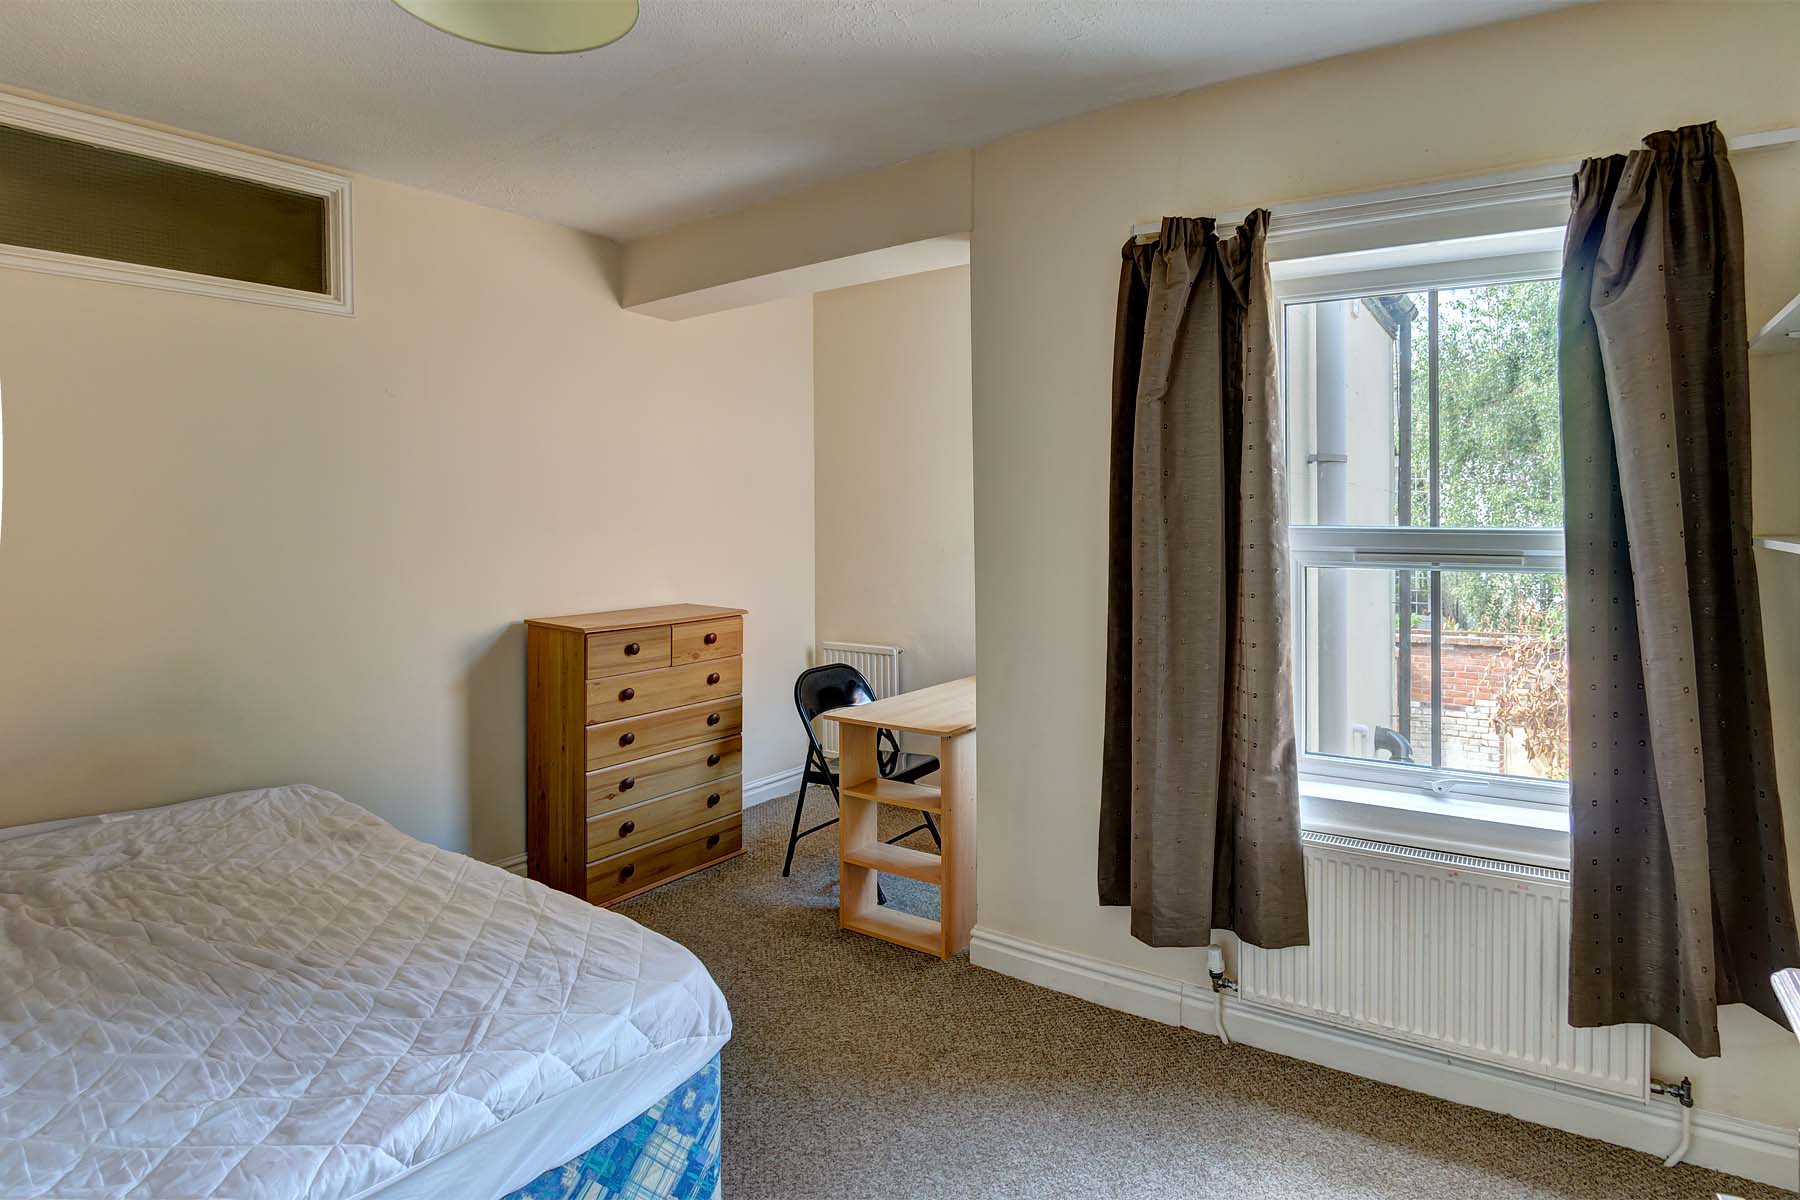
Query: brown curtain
x,y
1199,812
1680,882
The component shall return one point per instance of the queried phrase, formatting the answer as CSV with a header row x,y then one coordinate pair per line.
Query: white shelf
x,y
1782,334
1787,543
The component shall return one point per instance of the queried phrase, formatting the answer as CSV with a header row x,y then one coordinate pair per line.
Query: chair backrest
x,y
1394,742
839,685
828,686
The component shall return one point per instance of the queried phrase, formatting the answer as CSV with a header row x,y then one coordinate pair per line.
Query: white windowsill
x,y
1455,824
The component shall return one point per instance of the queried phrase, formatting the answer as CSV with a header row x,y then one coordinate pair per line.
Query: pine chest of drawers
x,y
634,747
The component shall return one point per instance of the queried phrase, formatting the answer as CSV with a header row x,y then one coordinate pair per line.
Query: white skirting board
x,y
772,787
769,787
1765,1153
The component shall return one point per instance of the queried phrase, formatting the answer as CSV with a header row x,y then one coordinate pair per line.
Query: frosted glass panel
x,y
73,198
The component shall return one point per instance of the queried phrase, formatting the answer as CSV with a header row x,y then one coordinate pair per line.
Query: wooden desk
x,y
946,712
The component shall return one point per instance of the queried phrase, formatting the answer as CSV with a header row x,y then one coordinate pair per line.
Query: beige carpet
x,y
860,1069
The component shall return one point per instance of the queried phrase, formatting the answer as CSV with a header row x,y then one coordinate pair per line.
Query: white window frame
x,y
78,125
1530,251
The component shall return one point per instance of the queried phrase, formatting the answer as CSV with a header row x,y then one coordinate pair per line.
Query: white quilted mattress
x,y
275,994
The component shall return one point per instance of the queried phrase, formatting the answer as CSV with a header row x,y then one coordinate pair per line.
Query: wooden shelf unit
x,y
946,712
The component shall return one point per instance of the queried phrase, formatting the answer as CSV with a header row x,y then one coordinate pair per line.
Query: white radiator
x,y
1461,955
880,665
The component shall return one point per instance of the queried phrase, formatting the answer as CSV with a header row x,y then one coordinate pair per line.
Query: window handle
x,y
1443,787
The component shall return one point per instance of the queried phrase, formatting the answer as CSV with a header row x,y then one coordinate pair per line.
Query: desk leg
x,y
956,825
858,824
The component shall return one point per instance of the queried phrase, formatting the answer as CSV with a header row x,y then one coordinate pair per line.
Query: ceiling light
x,y
534,26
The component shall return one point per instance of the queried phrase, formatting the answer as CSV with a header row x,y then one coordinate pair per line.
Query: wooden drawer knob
x,y
625,830
712,800
625,739
711,639
627,693
713,678
712,839
627,783
712,760
631,648
711,719
627,871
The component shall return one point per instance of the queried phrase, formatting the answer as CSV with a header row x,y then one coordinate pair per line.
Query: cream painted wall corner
x,y
248,546
894,526
917,202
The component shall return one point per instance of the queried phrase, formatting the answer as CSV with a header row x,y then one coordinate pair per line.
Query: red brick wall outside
x,y
1475,670
1474,667
1475,673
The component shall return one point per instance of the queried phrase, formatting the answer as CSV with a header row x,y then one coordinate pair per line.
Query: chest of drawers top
x,y
630,618
643,639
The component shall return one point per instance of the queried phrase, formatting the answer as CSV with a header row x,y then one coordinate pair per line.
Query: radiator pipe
x,y
1687,1135
1215,967
1683,1093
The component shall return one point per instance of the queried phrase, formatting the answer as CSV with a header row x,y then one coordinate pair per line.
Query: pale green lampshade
x,y
534,26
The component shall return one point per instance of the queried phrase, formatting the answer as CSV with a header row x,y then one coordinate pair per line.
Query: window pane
x,y
1358,378
1495,639
75,198
1355,676
1505,695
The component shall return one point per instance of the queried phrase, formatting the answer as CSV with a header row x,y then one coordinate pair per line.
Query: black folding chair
x,y
1394,742
839,685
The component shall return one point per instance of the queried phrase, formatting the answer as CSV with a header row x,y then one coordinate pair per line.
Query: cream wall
x,y
247,545
894,525
1052,208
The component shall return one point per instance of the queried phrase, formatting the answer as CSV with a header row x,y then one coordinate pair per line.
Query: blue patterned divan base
x,y
671,1152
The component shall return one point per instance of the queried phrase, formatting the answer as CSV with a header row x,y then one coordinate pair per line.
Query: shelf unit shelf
x,y
916,796
1786,543
898,860
900,928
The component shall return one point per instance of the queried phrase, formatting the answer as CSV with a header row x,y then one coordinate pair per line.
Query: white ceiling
x,y
706,106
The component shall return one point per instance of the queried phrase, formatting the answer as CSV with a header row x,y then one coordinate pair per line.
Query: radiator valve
x,y
1683,1091
1215,967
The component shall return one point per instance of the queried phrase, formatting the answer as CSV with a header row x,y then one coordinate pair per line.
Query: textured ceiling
x,y
706,106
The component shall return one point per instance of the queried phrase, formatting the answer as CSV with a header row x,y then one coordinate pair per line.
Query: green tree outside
x,y
1500,443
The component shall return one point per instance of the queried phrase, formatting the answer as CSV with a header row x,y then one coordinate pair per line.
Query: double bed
x,y
275,994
